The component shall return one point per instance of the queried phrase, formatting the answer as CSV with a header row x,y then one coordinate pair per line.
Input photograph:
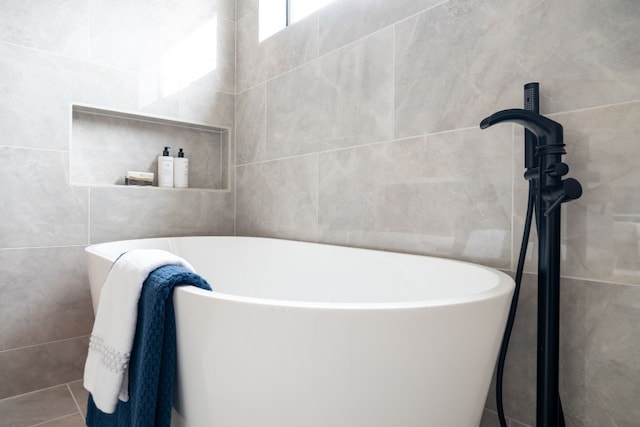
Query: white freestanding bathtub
x,y
308,335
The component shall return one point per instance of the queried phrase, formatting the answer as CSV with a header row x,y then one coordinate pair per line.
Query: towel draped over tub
x,y
153,357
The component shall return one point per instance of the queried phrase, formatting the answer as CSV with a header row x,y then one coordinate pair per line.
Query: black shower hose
x,y
514,307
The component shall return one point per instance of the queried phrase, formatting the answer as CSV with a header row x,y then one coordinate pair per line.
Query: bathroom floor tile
x,y
75,420
80,395
38,407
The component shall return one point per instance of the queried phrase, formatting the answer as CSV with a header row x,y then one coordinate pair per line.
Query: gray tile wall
x,y
355,126
359,126
126,56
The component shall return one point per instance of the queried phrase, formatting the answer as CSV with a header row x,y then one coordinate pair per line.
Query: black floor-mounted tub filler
x,y
544,170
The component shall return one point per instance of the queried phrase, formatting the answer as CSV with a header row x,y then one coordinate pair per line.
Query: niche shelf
x,y
105,144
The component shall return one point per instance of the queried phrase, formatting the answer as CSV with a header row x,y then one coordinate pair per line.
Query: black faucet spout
x,y
541,126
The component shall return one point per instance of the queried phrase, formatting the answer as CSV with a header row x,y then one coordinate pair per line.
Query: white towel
x,y
106,370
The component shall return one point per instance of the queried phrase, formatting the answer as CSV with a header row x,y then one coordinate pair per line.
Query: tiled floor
x,y
490,419
59,406
65,405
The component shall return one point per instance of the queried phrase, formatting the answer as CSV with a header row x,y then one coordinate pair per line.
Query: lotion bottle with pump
x,y
165,169
181,171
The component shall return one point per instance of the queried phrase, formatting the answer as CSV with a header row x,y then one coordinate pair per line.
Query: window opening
x,y
275,15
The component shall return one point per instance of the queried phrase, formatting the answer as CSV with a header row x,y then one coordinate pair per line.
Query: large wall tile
x,y
464,59
548,40
34,408
251,116
59,27
38,88
339,100
448,194
34,109
278,199
344,21
602,358
599,360
258,61
191,43
41,209
37,367
44,296
601,230
448,73
133,213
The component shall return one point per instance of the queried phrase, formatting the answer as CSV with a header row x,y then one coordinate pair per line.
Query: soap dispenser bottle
x,y
165,169
181,171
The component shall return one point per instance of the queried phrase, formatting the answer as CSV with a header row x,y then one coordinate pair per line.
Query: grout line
x,y
266,126
89,215
90,32
43,247
513,263
235,123
31,392
386,141
317,34
55,419
393,83
52,150
235,48
73,396
595,107
235,200
443,132
580,279
110,67
41,344
220,174
598,281
318,198
70,166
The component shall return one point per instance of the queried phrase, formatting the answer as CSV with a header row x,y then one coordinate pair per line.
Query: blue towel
x,y
153,358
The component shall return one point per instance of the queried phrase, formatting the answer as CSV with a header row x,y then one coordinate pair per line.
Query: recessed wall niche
x,y
105,144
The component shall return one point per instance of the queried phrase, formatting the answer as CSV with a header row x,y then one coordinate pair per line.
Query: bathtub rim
x,y
505,283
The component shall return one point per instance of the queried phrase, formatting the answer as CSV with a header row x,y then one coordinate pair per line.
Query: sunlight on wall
x,y
272,17
303,8
273,14
191,58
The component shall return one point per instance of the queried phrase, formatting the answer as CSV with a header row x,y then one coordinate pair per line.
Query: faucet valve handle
x,y
569,189
557,169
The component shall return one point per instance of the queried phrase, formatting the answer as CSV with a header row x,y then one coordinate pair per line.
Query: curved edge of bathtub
x,y
111,250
